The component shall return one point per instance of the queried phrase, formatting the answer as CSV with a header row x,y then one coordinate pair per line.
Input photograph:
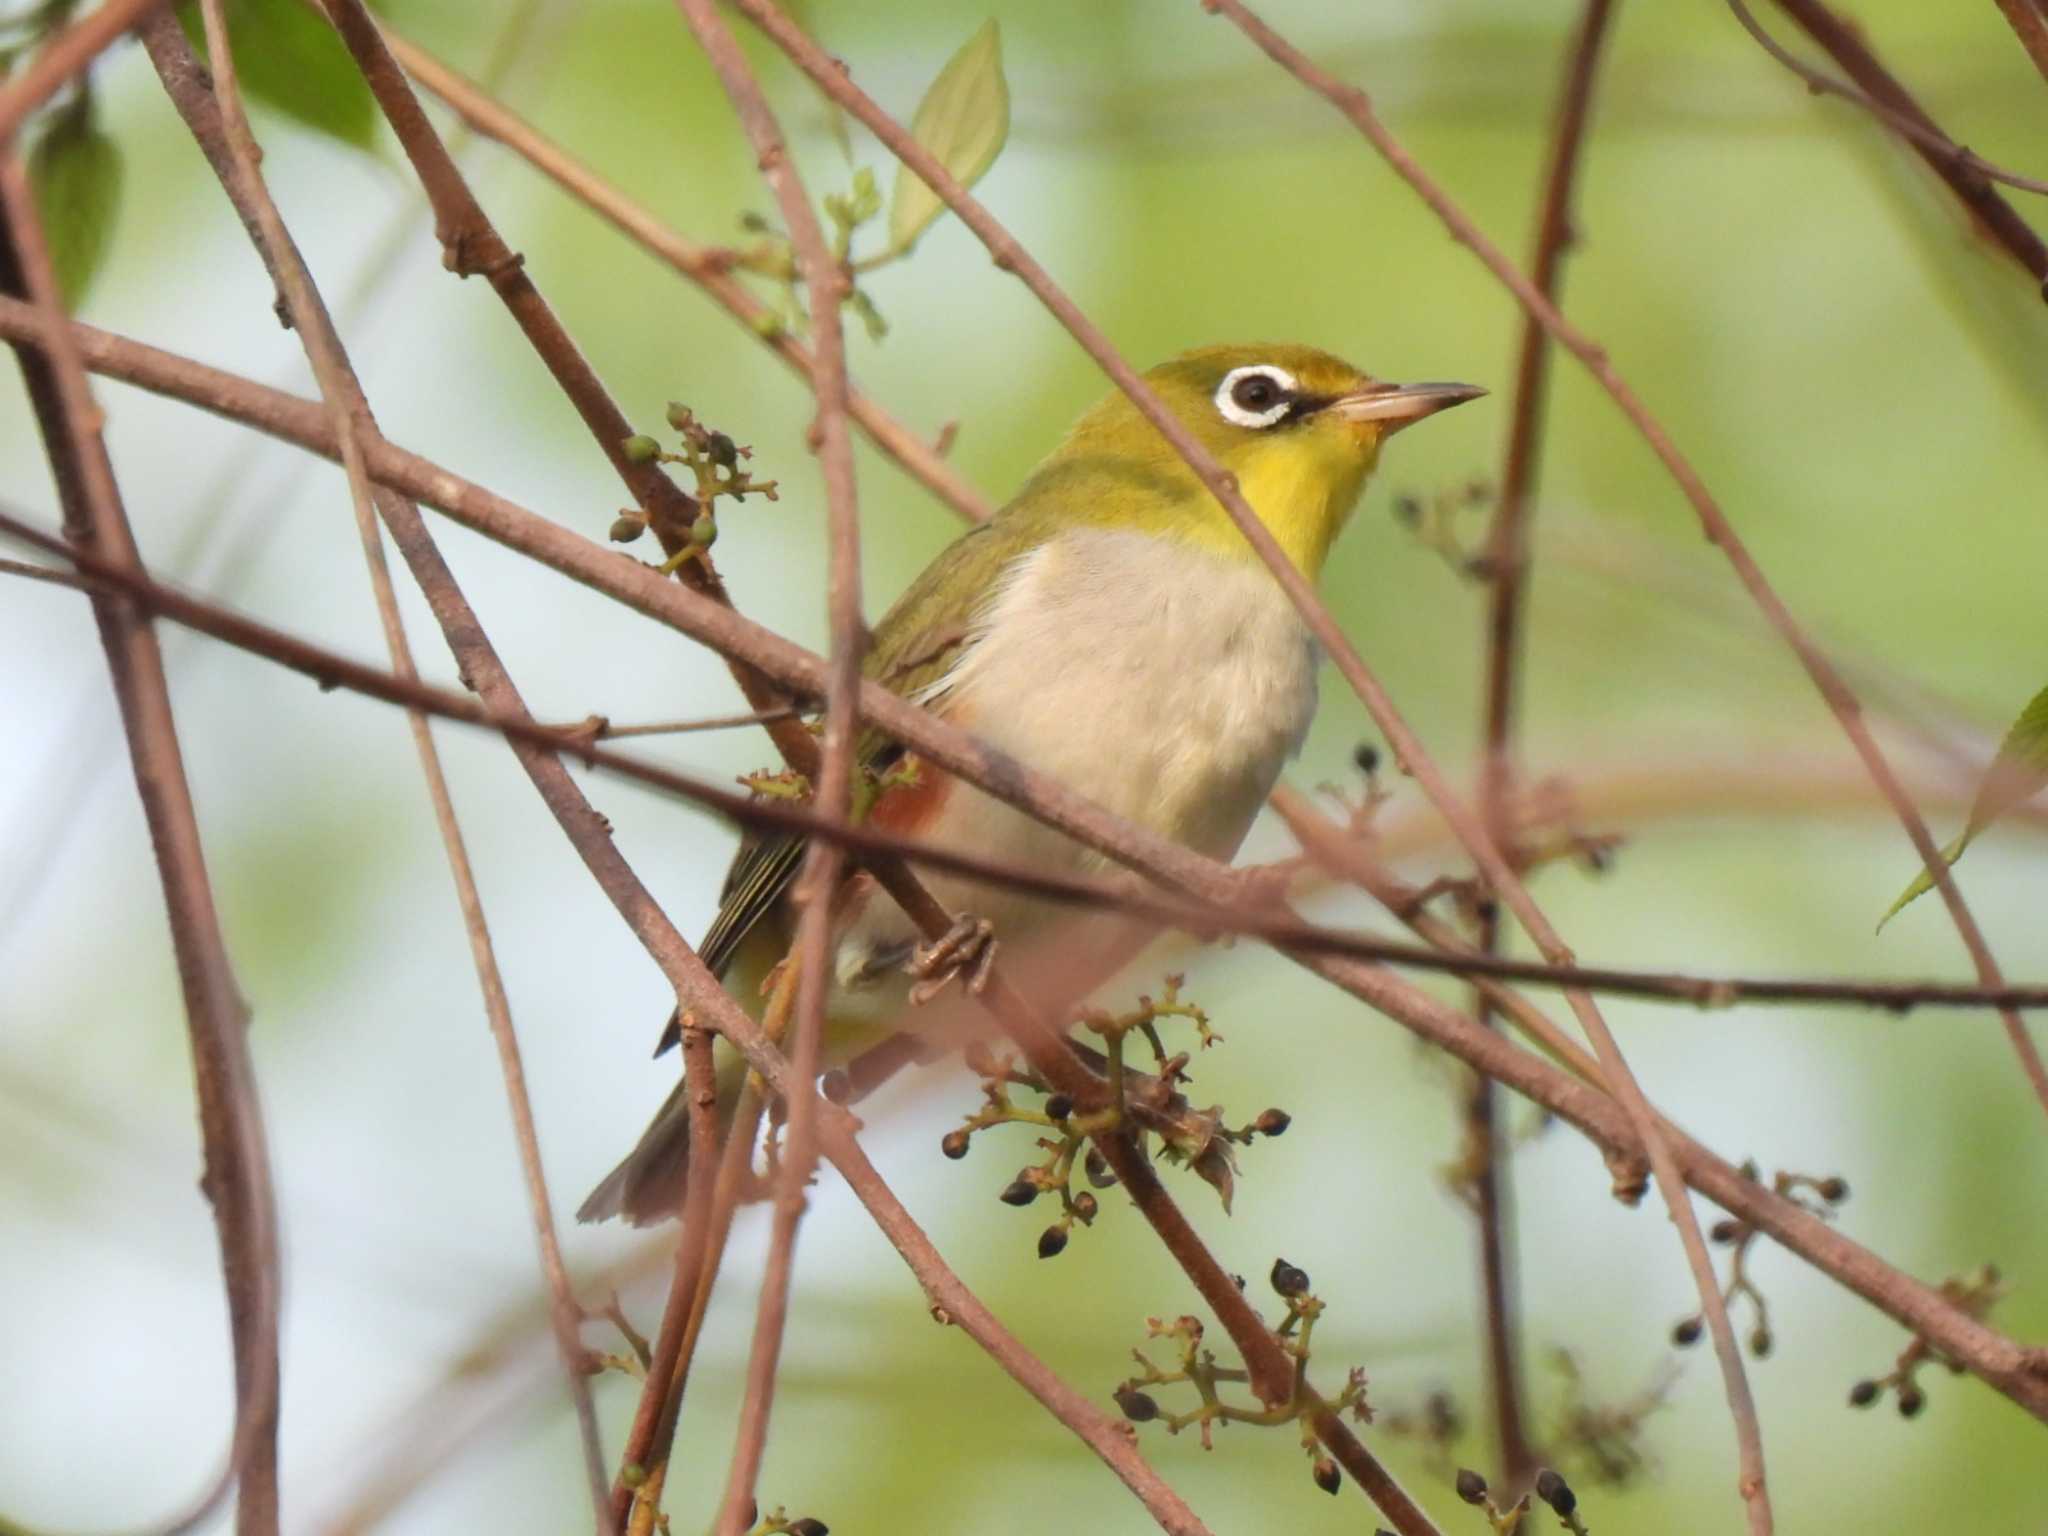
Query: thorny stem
x,y
1507,564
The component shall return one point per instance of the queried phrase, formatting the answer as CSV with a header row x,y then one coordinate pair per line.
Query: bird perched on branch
x,y
1109,627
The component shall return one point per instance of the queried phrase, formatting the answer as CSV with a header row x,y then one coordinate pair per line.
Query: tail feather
x,y
648,1185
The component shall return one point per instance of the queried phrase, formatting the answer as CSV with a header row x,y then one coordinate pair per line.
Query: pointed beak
x,y
1394,406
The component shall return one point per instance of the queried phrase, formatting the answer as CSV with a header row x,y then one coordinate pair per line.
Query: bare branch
x,y
236,1180
2008,1366
222,130
1827,679
64,58
827,284
494,120
2029,24
1507,562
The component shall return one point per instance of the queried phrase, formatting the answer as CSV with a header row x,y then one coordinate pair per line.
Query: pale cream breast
x,y
1168,683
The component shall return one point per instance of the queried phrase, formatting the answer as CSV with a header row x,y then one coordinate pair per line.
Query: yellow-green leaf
x,y
2018,772
75,171
963,120
288,57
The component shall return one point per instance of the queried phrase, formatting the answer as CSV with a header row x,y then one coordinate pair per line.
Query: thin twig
x,y
2008,1366
1827,680
2029,24
826,284
1509,548
236,1179
1407,747
64,58
494,120
1968,175
232,148
637,586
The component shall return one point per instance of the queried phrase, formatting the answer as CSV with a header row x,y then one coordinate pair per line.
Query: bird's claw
x,y
967,951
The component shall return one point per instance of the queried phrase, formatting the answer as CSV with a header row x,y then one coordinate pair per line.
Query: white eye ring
x,y
1237,415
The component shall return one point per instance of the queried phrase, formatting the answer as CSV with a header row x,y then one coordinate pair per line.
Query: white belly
x,y
1166,683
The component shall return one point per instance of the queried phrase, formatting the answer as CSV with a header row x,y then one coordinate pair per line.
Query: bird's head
x,y
1300,430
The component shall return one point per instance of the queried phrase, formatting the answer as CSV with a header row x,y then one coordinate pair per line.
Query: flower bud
x,y
1327,1477
721,451
1911,1400
1726,1230
1367,757
1052,1241
1834,1189
954,1143
640,449
1556,1492
1686,1333
808,1527
1471,1486
1019,1191
1085,1206
627,527
704,529
1863,1394
1137,1406
1273,1122
1059,1106
1760,1341
1288,1280
678,415
1096,1166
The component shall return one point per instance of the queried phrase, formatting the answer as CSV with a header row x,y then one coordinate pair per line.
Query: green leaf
x,y
963,120
2016,774
75,172
288,57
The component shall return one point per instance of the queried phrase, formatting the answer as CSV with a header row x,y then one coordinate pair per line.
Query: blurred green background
x,y
1861,384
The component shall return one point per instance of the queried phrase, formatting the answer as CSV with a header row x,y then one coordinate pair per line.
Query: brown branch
x,y
469,238
827,284
700,265
236,1179
1407,747
302,423
1827,680
64,58
1508,554
2029,24
222,130
1969,176
2001,1362
1217,907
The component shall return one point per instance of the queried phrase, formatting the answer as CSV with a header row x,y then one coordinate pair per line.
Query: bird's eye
x,y
1258,396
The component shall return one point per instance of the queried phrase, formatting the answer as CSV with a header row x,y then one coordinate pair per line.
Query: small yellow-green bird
x,y
1109,627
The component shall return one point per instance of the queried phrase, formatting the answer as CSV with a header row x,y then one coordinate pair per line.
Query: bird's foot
x,y
966,951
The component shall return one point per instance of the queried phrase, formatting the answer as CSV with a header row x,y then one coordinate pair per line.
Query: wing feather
x,y
914,647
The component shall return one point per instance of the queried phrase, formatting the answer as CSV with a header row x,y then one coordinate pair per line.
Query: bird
x,y
1109,626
